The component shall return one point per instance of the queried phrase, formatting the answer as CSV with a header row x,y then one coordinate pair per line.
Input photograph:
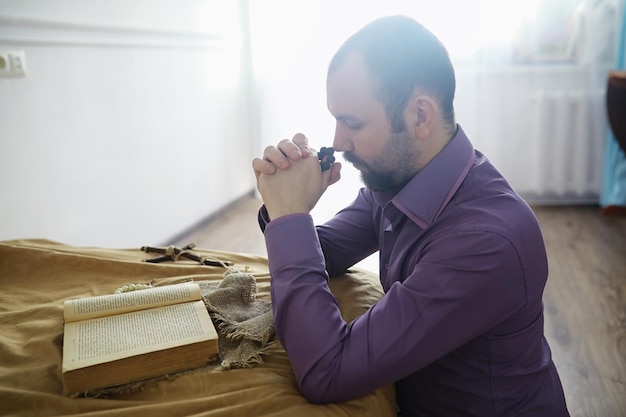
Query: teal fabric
x,y
614,184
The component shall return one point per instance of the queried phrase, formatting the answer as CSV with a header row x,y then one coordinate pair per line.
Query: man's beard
x,y
392,168
374,179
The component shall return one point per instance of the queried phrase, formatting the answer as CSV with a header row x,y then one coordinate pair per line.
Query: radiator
x,y
567,143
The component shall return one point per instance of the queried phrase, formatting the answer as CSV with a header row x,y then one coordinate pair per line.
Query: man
x,y
462,260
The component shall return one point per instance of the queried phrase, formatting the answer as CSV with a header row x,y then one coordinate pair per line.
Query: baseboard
x,y
185,234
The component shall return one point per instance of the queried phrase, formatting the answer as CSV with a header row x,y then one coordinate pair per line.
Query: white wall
x,y
134,121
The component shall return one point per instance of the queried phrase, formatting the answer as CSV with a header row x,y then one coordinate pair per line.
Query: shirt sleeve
x,y
446,300
349,237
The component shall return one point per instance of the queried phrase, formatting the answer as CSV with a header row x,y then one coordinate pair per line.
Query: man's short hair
x,y
403,56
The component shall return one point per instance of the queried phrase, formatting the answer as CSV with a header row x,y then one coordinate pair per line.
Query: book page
x,y
111,304
110,338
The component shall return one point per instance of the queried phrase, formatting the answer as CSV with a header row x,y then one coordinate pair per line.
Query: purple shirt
x,y
460,327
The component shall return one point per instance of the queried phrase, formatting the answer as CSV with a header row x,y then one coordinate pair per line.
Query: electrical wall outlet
x,y
12,64
5,64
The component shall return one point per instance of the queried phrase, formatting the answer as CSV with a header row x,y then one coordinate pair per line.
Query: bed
x,y
36,276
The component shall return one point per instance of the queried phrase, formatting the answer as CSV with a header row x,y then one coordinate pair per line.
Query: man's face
x,y
363,133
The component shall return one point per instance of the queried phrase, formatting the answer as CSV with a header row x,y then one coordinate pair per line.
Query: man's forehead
x,y
351,65
349,85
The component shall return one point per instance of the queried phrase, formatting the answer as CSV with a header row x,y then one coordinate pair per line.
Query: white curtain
x,y
531,76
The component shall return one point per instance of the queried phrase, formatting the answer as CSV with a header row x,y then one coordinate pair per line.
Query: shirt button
x,y
386,266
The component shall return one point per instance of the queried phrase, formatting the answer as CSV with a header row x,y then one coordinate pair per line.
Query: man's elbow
x,y
314,394
317,391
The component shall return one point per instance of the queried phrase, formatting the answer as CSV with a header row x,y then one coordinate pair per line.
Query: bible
x,y
117,339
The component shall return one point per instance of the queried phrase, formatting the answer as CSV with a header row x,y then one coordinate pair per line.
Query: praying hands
x,y
289,177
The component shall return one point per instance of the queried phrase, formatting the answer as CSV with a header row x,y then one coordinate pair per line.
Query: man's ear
x,y
423,111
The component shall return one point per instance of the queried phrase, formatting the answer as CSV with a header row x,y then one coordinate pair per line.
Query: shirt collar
x,y
424,197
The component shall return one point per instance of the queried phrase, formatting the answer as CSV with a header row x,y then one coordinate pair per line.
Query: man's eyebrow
x,y
346,118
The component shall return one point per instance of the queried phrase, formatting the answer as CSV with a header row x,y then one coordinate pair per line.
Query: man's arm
x,y
442,304
349,237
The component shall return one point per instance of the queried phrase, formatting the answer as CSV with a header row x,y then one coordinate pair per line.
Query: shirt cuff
x,y
292,239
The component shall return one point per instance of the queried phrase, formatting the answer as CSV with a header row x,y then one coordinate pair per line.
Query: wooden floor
x,y
585,299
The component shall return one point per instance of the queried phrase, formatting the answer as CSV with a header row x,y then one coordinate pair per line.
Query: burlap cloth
x,y
244,325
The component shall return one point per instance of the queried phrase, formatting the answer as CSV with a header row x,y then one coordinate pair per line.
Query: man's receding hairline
x,y
359,54
376,40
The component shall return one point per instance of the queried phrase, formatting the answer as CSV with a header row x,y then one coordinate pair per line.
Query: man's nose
x,y
342,141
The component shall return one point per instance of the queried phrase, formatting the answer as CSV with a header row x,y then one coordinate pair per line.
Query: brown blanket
x,y
36,276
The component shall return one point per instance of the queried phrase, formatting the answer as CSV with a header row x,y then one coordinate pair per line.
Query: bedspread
x,y
36,276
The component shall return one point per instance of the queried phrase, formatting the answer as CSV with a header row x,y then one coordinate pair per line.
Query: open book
x,y
115,339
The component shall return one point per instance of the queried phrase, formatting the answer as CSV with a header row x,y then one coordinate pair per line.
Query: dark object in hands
x,y
325,155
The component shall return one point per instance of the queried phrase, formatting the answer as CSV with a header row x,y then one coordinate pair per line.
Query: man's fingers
x,y
262,166
302,142
335,173
290,149
279,156
276,156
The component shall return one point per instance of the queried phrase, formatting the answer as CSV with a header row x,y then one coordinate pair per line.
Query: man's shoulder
x,y
487,202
